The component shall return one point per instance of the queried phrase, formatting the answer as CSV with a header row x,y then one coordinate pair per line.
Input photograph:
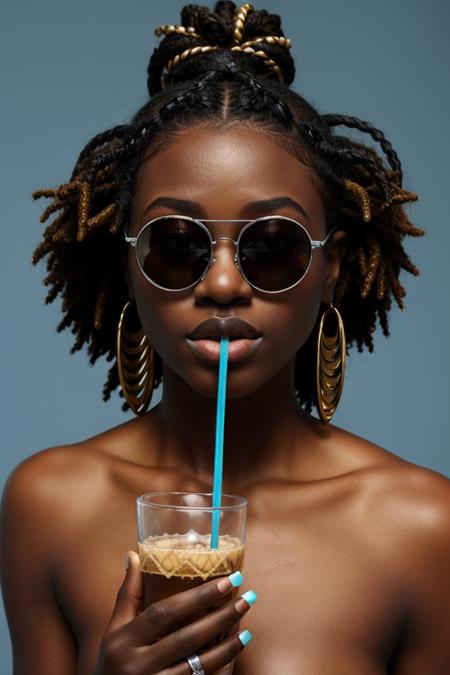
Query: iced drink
x,y
175,563
176,556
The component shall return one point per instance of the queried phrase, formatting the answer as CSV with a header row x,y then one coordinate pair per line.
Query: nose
x,y
223,283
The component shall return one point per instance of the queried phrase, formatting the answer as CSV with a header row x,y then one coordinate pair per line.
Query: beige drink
x,y
174,563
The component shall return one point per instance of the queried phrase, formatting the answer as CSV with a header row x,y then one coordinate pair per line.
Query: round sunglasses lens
x,y
274,253
173,252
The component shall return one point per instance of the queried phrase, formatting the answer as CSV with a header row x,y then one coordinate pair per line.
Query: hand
x,y
149,641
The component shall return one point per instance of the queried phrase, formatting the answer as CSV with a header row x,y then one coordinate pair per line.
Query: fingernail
x,y
232,581
246,599
245,637
236,579
250,597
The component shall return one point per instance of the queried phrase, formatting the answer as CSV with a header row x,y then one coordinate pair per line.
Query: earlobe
x,y
335,253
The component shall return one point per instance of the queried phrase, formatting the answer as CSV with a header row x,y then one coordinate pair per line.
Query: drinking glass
x,y
174,530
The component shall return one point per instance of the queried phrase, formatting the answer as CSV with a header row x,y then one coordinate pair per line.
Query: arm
x,y
425,645
42,641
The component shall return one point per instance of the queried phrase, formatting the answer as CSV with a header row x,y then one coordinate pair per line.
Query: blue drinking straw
x,y
218,453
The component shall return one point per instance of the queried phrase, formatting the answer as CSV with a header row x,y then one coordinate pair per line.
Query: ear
x,y
124,258
334,251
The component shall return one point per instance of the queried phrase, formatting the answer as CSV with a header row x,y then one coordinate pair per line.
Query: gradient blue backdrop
x,y
71,70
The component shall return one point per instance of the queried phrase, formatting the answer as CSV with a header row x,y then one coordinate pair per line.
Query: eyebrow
x,y
193,209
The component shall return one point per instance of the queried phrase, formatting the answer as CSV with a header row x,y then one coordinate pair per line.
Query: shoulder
x,y
403,495
50,485
417,502
380,467
33,519
36,519
413,499
406,500
407,512
71,478
405,515
414,535
49,498
40,489
414,496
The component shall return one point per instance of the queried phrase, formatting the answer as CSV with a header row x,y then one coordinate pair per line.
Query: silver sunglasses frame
x,y
314,245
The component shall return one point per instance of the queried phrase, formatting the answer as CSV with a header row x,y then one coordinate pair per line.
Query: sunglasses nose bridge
x,y
213,243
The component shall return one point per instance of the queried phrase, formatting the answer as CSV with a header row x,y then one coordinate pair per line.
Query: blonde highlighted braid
x,y
237,44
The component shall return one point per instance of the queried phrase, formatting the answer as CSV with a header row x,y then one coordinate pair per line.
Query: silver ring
x,y
195,664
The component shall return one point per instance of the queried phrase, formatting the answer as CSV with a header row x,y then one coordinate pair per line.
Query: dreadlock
x,y
362,190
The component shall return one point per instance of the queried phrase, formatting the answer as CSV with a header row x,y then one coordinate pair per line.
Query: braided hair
x,y
361,188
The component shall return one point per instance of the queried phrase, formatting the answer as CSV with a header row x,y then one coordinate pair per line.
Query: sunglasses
x,y
272,253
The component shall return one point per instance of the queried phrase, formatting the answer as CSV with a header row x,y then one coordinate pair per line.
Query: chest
x,y
324,597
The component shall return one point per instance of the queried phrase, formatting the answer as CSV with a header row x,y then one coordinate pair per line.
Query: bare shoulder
x,y
409,493
37,504
415,502
71,478
56,481
407,512
412,499
405,509
45,498
381,465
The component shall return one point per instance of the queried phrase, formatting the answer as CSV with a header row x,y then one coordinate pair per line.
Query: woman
x,y
347,543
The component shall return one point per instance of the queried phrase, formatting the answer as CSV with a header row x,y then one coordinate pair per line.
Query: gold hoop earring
x,y
135,363
331,354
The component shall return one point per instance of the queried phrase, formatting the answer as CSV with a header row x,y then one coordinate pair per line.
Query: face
x,y
224,172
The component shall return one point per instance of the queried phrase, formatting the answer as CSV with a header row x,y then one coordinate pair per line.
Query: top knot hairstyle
x,y
223,66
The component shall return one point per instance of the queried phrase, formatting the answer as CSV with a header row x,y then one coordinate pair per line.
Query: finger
x,y
130,595
217,657
160,617
196,635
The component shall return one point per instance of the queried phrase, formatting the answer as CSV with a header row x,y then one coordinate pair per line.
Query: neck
x,y
259,431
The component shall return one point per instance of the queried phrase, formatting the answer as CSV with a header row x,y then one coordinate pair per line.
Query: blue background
x,y
71,70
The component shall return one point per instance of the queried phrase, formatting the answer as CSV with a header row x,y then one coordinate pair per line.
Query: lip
x,y
238,349
217,327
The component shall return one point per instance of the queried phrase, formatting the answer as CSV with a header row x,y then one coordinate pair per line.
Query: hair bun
x,y
228,37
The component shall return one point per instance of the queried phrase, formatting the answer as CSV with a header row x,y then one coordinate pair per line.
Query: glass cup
x,y
174,546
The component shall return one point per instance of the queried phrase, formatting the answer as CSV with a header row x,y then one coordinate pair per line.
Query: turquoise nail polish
x,y
245,637
236,579
250,597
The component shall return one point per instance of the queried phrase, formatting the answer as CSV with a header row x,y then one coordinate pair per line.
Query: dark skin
x,y
347,544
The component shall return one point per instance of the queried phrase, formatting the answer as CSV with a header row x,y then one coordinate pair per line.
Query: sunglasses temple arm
x,y
130,240
318,243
